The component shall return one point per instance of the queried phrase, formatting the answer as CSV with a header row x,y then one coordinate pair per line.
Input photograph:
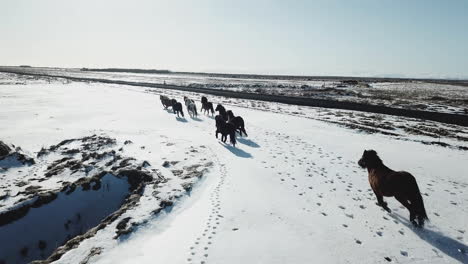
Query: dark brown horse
x,y
225,129
166,102
208,107
204,100
222,111
177,108
237,121
400,184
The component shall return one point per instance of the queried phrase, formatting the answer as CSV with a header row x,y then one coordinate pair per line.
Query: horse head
x,y
220,108
369,159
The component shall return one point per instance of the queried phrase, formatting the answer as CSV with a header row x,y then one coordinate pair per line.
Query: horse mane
x,y
372,159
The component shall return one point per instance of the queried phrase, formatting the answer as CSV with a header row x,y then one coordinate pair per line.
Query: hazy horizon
x,y
417,39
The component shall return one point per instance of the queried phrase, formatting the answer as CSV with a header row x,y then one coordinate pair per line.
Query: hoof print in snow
x,y
177,172
388,259
167,164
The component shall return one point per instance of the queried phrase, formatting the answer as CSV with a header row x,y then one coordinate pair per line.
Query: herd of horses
x,y
383,180
227,124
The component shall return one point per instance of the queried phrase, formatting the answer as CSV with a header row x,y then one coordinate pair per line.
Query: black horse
x,y
166,102
177,108
225,129
237,121
230,115
204,100
208,107
222,111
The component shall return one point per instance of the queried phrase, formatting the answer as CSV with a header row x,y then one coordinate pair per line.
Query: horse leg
x,y
408,206
381,203
233,139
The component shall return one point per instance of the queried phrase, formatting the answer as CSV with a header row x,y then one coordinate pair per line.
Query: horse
x,y
188,101
207,107
177,108
237,121
204,100
166,102
191,106
230,115
222,111
192,109
225,129
400,184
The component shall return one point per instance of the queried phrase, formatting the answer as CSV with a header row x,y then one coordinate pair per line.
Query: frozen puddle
x,y
48,225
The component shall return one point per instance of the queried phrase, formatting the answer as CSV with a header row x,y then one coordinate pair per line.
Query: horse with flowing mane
x,y
400,184
237,121
166,102
225,129
207,106
191,107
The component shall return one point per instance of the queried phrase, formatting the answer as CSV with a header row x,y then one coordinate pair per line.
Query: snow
x,y
289,193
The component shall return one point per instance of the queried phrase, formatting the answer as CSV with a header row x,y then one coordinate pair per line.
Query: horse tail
x,y
182,111
243,130
419,203
242,126
195,109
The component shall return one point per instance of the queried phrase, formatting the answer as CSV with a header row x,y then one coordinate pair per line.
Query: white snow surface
x,y
290,192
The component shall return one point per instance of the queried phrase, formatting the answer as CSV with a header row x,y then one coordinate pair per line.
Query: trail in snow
x,y
200,248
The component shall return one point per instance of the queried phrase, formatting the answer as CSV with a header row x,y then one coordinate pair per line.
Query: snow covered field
x,y
291,192
406,94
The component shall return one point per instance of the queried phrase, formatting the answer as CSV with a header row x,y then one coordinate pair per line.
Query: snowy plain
x,y
290,192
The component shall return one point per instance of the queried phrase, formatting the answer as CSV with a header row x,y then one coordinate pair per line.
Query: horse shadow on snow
x,y
237,151
449,246
247,142
180,119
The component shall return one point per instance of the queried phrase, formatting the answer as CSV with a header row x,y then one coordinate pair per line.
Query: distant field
x,y
405,97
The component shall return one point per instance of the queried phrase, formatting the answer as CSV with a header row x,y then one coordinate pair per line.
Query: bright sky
x,y
417,38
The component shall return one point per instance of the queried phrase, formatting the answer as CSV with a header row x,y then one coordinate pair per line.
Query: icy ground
x,y
291,192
